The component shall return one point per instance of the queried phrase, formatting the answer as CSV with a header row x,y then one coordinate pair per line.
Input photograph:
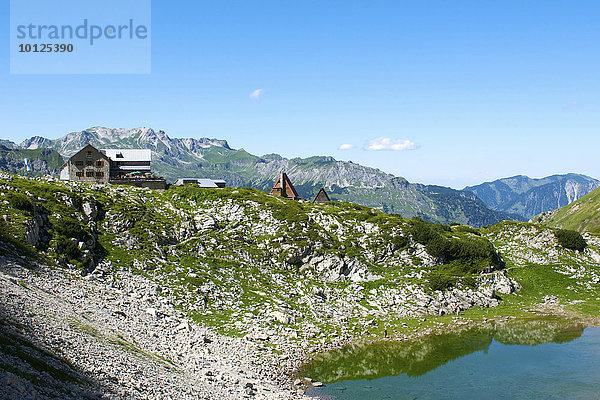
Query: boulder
x,y
90,209
280,317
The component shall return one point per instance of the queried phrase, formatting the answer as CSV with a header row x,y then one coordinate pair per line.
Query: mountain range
x,y
528,197
344,180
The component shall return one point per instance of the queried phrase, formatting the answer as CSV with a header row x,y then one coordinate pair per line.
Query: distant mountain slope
x,y
29,162
582,215
529,197
211,158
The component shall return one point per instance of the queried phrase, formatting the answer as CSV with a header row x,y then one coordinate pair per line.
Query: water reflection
x,y
418,357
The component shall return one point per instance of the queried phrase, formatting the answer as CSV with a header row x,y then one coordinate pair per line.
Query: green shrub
x,y
467,229
462,255
68,227
469,281
440,281
67,248
570,239
476,250
400,242
423,232
21,202
438,247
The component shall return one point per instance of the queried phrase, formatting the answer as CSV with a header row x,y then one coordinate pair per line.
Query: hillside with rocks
x,y
29,162
121,292
527,197
582,215
211,158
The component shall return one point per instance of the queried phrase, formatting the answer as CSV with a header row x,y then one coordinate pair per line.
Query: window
x,y
88,163
100,174
79,163
89,174
79,174
99,163
89,154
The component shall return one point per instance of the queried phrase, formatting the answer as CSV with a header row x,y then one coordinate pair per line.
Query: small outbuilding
x,y
322,197
284,188
200,182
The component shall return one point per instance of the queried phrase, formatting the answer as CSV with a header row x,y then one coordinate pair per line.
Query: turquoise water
x,y
535,359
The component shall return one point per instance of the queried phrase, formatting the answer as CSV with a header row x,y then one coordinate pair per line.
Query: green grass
x,y
237,263
52,158
583,215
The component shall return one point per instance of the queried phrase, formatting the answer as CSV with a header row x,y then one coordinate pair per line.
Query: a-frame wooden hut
x,y
322,197
284,188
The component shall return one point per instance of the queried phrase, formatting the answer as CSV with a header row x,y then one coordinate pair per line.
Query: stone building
x,y
87,165
117,166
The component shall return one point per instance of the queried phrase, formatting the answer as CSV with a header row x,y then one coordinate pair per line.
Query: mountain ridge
x,y
214,158
528,197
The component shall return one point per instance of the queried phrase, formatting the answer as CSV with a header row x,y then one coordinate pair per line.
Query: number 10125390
x,y
45,48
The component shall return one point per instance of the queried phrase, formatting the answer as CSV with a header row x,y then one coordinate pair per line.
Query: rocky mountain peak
x,y
34,142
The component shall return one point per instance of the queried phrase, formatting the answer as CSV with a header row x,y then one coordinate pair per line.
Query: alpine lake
x,y
533,358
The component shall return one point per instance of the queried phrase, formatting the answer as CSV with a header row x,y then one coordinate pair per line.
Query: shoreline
x,y
128,319
456,327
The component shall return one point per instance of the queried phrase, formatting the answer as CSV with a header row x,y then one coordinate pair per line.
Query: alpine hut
x,y
322,197
284,188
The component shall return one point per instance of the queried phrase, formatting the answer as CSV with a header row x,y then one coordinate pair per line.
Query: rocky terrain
x,y
67,336
527,197
121,292
212,158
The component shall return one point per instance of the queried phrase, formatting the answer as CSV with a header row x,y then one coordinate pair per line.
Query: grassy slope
x,y
582,215
241,270
51,157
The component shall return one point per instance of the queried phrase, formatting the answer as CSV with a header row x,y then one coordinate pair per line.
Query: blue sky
x,y
465,91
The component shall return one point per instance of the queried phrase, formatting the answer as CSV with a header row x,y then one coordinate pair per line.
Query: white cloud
x,y
346,146
256,94
574,105
383,143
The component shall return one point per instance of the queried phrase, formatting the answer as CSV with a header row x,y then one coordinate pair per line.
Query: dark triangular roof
x,y
284,188
92,148
322,197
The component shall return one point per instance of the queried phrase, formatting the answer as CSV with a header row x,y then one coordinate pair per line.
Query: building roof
x,y
86,148
322,197
128,154
202,182
134,167
284,188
